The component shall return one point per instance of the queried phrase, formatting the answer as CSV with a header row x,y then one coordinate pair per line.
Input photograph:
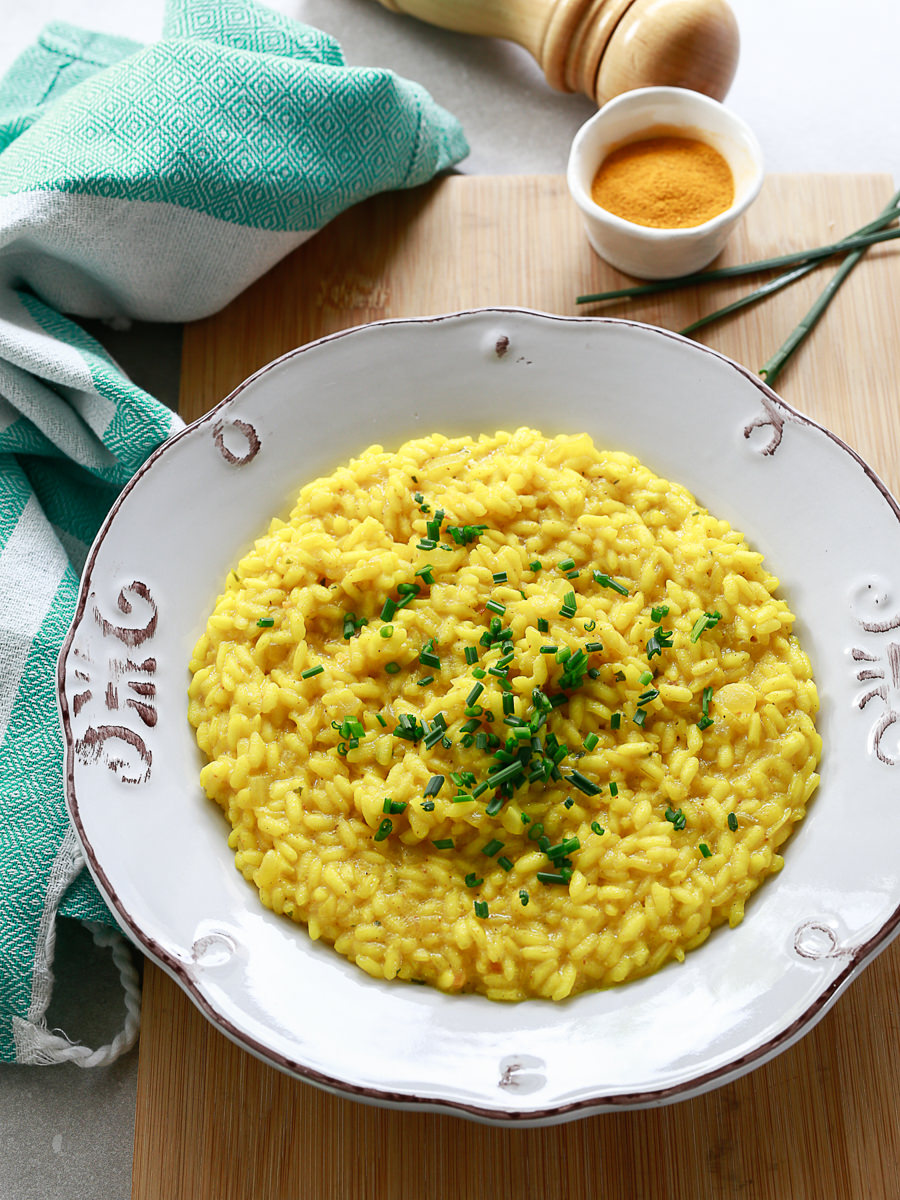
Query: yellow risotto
x,y
510,715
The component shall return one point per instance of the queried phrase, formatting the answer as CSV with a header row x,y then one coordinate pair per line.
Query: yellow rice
x,y
696,815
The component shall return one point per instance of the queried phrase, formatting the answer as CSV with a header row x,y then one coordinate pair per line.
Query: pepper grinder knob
x,y
604,47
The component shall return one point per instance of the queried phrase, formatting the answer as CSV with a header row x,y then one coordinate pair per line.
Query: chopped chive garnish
x,y
428,659
704,722
463,534
553,876
384,829
471,655
408,596
496,803
564,848
732,822
509,704
472,880
310,671
593,647
481,909
676,817
512,771
607,582
349,626
443,844
427,544
478,672
613,788
408,728
388,609
646,678
504,862
543,625
661,640
567,564
549,649
705,850
380,719
499,577
494,846
386,631
646,697
476,691
568,605
523,896
266,622
640,717
657,613
425,573
590,741
392,668
435,783
597,828
535,565
394,806
584,784
496,607
568,802
615,720
536,832
707,621
707,696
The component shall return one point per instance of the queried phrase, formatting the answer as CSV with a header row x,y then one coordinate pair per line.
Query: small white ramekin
x,y
639,250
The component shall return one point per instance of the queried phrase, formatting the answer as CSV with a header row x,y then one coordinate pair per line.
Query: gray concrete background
x,y
819,85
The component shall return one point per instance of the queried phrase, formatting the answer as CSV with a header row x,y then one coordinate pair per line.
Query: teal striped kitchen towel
x,y
155,183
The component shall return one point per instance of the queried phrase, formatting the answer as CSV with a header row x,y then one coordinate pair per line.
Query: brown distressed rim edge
x,y
718,1076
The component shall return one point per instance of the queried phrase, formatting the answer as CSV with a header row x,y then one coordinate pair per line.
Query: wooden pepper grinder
x,y
604,47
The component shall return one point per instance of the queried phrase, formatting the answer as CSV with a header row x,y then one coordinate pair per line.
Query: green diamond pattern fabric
x,y
137,182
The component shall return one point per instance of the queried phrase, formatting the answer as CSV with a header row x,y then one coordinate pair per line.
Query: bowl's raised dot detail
x,y
815,939
213,949
243,448
522,1073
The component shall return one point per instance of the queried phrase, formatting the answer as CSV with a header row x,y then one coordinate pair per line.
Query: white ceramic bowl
x,y
640,250
157,846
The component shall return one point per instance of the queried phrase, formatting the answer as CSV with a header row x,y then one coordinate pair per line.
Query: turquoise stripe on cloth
x,y
137,182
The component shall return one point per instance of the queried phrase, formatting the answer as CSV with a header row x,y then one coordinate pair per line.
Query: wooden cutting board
x,y
820,1122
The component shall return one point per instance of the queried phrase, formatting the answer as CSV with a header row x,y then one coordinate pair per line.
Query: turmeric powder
x,y
665,182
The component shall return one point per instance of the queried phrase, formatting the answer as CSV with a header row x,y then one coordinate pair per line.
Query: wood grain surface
x,y
820,1122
